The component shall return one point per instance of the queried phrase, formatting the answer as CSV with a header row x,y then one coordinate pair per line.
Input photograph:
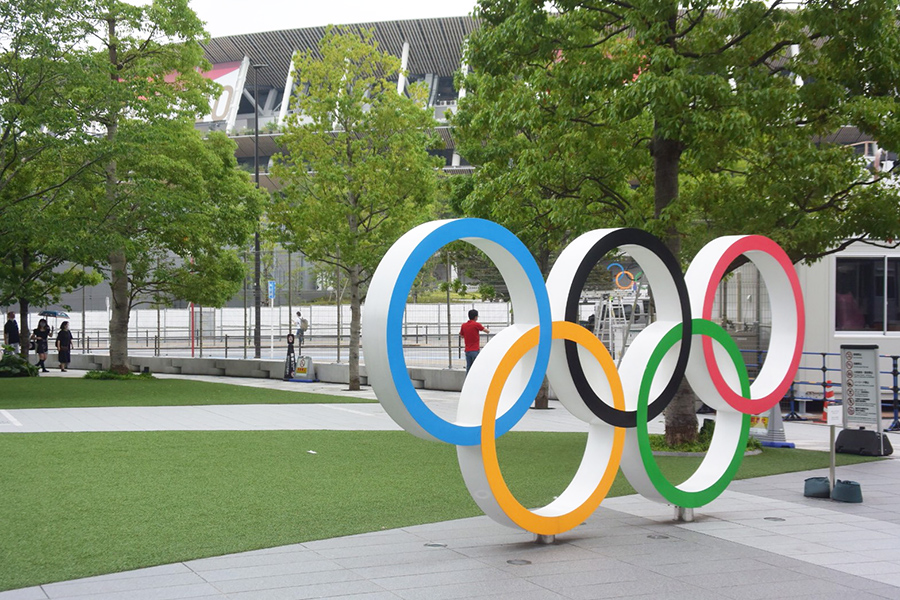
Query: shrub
x,y
701,444
13,365
109,375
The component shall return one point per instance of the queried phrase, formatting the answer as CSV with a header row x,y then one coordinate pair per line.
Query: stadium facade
x,y
430,50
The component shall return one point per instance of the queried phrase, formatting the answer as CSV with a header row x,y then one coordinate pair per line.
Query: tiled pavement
x,y
760,539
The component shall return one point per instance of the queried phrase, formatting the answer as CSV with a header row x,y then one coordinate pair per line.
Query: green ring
x,y
670,492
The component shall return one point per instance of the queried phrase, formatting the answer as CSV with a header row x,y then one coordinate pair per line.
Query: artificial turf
x,y
79,504
59,392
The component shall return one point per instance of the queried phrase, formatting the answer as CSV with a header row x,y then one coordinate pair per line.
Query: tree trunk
x,y
542,400
24,333
118,321
118,262
355,324
681,418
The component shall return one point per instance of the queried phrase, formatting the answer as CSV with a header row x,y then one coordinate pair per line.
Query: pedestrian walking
x,y
64,346
302,326
41,338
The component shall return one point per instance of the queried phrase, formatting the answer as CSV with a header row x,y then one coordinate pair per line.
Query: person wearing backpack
x,y
302,326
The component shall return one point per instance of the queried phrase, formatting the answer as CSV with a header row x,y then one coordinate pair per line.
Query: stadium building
x,y
430,51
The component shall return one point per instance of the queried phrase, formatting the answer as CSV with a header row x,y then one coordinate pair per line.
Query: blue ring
x,y
459,229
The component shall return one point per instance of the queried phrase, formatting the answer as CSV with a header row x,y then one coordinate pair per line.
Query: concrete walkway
x,y
760,539
340,417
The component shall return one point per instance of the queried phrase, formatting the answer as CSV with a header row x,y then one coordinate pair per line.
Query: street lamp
x,y
257,295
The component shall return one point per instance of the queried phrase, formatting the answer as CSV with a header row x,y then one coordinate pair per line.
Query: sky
x,y
230,17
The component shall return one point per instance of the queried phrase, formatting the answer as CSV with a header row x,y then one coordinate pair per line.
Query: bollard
x,y
895,426
684,515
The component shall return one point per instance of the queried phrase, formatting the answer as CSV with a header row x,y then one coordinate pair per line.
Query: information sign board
x,y
861,392
835,415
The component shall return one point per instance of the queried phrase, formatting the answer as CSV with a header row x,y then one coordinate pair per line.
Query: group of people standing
x,y
41,338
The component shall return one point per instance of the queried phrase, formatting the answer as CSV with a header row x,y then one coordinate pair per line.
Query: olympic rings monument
x,y
616,404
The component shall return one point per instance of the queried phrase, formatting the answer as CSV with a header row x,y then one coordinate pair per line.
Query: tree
x,y
44,144
174,205
687,120
356,171
45,153
36,257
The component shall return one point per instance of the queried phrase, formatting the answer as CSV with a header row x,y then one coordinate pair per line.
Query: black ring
x,y
618,239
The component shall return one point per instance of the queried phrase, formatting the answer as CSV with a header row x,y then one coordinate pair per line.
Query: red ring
x,y
741,246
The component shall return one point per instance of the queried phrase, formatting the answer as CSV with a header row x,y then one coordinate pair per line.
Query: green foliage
x,y
100,164
701,444
187,209
44,144
46,151
110,376
487,292
684,120
14,365
456,287
357,173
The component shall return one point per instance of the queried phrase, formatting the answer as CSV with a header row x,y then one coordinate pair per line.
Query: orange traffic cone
x,y
829,398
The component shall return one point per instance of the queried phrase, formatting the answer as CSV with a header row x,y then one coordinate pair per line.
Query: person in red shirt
x,y
470,333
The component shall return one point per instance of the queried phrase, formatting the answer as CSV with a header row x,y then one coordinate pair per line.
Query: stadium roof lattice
x,y
435,45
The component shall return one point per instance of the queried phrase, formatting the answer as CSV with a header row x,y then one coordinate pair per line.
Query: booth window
x,y
866,293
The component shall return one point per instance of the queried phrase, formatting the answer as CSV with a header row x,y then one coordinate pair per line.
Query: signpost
x,y
862,433
835,417
862,394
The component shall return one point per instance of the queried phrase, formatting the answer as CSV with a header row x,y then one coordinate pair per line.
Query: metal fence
x,y
430,331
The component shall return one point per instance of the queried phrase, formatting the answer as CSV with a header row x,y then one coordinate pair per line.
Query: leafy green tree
x,y
688,120
174,205
44,144
356,172
36,265
180,217
45,152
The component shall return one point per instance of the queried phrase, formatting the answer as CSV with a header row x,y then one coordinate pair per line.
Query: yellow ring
x,y
624,287
529,520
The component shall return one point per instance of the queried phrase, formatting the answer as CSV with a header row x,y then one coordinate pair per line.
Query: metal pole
x,y
192,330
337,294
831,445
257,293
244,343
895,426
290,303
84,323
449,332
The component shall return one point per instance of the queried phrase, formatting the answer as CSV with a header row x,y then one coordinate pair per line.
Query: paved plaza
x,y
760,539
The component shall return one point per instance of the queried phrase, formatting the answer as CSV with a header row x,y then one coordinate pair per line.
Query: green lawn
x,y
80,504
60,392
